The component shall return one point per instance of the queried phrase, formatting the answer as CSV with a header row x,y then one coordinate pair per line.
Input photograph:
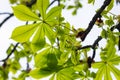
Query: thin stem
x,y
52,2
6,19
4,60
5,13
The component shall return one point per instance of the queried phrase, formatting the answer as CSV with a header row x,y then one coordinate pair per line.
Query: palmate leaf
x,y
115,71
46,58
24,13
66,74
54,12
23,33
49,33
38,41
103,71
106,67
41,58
53,15
42,5
41,72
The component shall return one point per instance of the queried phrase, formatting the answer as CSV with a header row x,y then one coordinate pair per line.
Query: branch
x,y
58,2
6,19
52,3
84,47
118,28
94,46
30,3
92,22
4,60
5,13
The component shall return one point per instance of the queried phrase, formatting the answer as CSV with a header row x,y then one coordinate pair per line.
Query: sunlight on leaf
x,y
24,13
40,73
23,33
38,41
42,6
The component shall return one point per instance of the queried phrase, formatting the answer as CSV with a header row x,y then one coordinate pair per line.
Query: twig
x,y
58,2
30,3
84,47
5,13
6,19
94,46
4,60
92,22
118,28
52,3
90,60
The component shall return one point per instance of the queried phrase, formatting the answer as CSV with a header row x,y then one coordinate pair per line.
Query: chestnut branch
x,y
92,22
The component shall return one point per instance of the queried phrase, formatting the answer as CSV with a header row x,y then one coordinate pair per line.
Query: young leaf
x,y
115,71
110,49
100,73
42,6
40,73
53,13
66,74
24,13
49,33
91,1
23,33
38,41
110,6
41,58
51,60
73,58
52,77
107,75
115,60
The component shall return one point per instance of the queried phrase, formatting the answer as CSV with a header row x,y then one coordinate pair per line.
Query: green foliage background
x,y
51,42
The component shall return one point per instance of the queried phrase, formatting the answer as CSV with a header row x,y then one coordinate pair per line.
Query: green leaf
x,y
104,33
100,73
66,74
109,21
42,6
46,58
41,58
40,73
107,75
51,60
53,13
110,6
63,58
97,65
115,60
78,67
67,28
115,71
91,1
49,33
23,33
24,13
52,77
111,49
38,41
70,7
10,49
73,58
14,66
